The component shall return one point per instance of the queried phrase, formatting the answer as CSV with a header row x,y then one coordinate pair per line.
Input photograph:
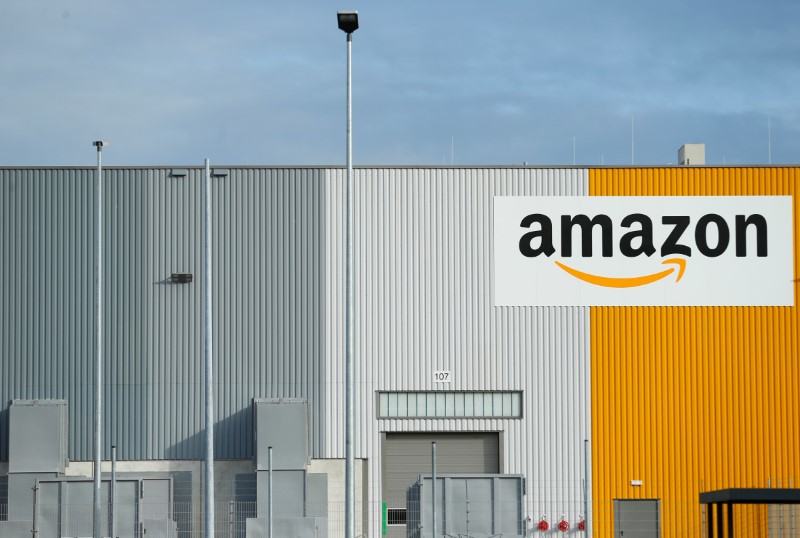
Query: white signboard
x,y
643,251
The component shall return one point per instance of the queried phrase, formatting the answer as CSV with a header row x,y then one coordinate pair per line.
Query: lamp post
x,y
348,23
98,365
208,501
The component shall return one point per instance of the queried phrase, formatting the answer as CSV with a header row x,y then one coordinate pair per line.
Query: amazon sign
x,y
643,251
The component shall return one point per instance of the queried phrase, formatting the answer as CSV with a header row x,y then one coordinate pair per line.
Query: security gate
x,y
65,507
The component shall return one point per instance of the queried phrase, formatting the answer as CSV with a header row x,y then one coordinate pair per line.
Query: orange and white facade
x,y
690,276
622,333
683,378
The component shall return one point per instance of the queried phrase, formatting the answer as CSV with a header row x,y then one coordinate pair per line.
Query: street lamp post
x,y
98,365
348,23
208,501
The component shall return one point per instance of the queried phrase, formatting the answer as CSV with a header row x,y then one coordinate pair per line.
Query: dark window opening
x,y
396,516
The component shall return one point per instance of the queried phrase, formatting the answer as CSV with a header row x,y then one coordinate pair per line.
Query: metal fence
x,y
467,520
144,520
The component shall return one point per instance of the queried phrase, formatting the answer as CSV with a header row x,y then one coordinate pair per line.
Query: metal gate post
x,y
586,486
433,488
35,529
113,514
269,491
230,519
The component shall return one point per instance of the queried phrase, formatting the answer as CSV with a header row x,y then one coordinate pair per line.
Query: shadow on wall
x,y
227,445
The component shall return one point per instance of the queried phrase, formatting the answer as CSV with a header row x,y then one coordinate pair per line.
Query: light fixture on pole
x,y
98,365
348,23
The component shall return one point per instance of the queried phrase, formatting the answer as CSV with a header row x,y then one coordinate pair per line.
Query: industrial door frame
x,y
617,512
498,434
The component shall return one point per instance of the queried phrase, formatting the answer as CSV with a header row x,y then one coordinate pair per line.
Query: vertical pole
x,y
35,523
350,487
433,488
730,519
98,365
792,510
586,485
230,519
769,140
269,492
113,514
209,463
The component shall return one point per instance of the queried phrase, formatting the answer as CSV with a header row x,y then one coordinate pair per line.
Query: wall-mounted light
x,y
181,278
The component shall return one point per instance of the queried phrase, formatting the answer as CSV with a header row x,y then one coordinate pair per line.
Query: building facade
x,y
596,406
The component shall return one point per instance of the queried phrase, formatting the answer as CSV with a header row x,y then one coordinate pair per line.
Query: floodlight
x,y
348,21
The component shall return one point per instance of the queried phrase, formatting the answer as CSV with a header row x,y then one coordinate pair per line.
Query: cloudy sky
x,y
171,82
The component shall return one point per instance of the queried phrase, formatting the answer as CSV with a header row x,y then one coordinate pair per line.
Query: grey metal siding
x,y
424,276
127,313
269,298
424,302
174,358
46,234
268,301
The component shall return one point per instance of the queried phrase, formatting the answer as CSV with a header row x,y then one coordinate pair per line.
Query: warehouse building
x,y
520,317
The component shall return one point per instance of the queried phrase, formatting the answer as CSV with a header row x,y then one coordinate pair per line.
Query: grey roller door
x,y
636,518
408,455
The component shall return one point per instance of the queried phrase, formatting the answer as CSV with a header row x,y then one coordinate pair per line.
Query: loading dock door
x,y
408,455
636,518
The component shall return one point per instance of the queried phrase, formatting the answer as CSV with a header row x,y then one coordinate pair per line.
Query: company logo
x,y
643,251
638,240
627,282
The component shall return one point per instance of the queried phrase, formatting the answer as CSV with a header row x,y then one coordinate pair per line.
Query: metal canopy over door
x,y
408,455
637,518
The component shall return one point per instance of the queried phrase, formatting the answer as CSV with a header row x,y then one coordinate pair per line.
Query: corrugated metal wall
x,y
47,238
423,277
694,399
268,301
683,398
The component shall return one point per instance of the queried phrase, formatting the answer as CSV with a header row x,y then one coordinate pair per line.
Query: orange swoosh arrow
x,y
629,282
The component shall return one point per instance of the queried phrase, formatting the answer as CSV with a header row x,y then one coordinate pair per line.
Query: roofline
x,y
398,167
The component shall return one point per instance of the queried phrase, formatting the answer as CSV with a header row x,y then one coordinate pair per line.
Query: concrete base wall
x,y
234,481
335,469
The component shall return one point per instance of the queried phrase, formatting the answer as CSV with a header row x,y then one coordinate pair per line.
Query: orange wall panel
x,y
692,399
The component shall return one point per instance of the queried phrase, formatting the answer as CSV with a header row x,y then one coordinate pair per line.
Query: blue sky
x,y
172,82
